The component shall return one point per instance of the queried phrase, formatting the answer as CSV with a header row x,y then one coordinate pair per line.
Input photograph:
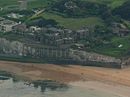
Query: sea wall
x,y
16,48
95,59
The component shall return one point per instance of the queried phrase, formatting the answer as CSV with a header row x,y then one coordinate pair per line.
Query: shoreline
x,y
66,74
104,89
102,80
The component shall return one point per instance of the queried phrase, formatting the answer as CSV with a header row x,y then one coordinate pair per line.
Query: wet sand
x,y
114,81
105,89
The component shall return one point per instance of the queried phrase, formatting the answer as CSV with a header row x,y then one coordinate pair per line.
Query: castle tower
x,y
23,4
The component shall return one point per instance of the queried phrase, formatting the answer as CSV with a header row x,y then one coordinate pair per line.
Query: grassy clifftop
x,y
112,3
66,21
87,17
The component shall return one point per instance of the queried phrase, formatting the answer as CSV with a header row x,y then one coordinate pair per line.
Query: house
x,y
34,29
55,36
20,28
123,32
120,29
6,25
82,33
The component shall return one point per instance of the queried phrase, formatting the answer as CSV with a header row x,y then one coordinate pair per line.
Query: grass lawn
x,y
4,3
45,3
112,3
116,51
31,3
117,3
39,3
73,23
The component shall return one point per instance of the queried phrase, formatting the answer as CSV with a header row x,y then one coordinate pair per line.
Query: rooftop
x,y
4,21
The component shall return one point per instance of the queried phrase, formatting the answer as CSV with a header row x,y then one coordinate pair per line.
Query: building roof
x,y
4,21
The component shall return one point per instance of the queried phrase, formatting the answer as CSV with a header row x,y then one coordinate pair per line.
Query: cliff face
x,y
16,48
11,47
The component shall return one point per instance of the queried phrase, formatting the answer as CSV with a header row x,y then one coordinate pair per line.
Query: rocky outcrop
x,y
94,59
86,56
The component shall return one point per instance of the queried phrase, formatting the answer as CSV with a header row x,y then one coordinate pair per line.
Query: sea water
x,y
11,86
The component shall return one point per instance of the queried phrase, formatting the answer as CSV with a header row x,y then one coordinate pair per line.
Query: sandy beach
x,y
115,81
105,89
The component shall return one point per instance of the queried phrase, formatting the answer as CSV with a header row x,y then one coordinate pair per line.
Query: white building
x,y
6,25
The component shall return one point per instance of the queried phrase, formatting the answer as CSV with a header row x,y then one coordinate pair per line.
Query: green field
x,y
45,3
31,3
112,3
115,50
4,3
73,23
39,3
66,22
77,23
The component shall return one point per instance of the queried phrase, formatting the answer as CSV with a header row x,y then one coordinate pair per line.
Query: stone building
x,y
20,28
7,25
120,29
57,37
82,34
